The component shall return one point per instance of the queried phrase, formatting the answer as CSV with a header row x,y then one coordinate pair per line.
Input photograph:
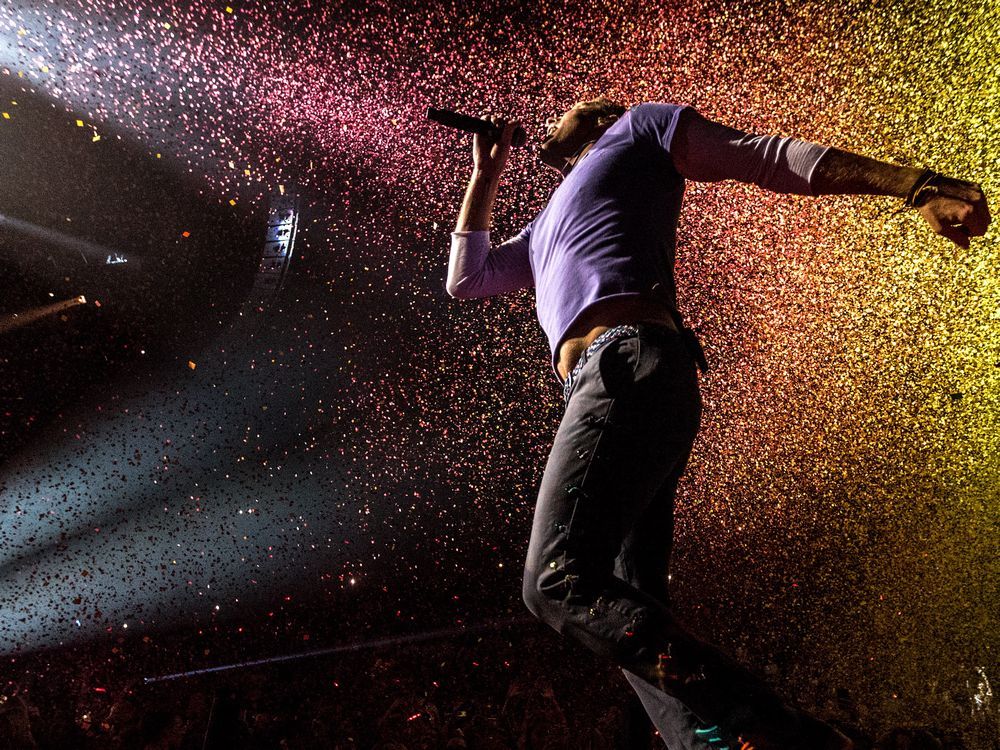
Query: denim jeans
x,y
596,568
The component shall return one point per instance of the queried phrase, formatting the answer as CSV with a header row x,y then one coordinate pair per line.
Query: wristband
x,y
922,190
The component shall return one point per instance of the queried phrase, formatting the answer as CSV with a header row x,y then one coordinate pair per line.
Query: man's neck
x,y
577,157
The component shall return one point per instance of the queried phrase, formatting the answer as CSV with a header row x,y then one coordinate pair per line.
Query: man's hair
x,y
603,108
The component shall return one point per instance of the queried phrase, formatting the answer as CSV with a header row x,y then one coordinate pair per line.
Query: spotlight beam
x,y
349,647
89,252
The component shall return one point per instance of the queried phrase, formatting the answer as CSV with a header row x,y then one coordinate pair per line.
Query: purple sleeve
x,y
655,123
475,271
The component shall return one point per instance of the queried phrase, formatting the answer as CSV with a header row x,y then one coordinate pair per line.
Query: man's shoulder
x,y
655,107
657,115
655,121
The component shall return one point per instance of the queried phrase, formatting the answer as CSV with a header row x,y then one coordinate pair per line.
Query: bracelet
x,y
922,190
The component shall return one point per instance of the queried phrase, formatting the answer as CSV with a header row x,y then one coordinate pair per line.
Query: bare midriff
x,y
607,314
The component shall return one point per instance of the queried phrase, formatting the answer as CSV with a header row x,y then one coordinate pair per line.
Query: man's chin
x,y
548,158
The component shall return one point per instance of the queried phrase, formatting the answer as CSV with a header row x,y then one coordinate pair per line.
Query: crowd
x,y
483,693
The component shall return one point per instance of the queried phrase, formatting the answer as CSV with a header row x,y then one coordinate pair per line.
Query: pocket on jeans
x,y
617,363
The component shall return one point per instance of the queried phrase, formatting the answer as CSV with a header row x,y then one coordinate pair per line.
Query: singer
x,y
600,257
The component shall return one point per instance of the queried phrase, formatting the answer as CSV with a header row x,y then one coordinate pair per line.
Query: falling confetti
x,y
372,432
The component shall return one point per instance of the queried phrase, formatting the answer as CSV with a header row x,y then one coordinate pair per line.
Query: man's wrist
x,y
907,180
922,189
485,175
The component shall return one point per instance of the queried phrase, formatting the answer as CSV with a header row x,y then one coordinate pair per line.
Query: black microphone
x,y
474,125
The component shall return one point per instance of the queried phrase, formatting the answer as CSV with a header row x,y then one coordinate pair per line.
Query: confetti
x,y
844,472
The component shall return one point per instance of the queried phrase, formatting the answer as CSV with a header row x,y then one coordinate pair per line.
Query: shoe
x,y
713,736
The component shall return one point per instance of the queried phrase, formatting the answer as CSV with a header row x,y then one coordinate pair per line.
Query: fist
x,y
490,154
958,211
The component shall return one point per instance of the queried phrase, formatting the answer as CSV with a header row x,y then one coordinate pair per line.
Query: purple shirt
x,y
608,231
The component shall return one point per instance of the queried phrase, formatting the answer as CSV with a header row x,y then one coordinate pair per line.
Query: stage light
x,y
279,242
21,319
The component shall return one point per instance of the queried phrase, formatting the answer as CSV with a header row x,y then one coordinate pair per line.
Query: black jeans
x,y
596,568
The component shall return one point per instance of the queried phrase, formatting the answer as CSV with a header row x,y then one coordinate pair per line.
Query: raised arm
x,y
489,158
706,151
473,269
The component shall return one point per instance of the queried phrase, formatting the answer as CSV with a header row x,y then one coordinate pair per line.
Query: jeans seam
x,y
638,356
597,443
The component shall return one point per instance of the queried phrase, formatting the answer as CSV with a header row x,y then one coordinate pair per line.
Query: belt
x,y
612,334
688,337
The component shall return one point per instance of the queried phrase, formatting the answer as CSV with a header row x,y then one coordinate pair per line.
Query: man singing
x,y
600,256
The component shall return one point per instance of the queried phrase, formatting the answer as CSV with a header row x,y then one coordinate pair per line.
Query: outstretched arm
x,y
955,209
703,150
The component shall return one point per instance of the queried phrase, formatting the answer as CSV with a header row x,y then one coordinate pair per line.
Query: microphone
x,y
474,125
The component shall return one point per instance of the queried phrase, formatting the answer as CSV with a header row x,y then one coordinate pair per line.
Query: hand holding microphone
x,y
489,154
492,141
